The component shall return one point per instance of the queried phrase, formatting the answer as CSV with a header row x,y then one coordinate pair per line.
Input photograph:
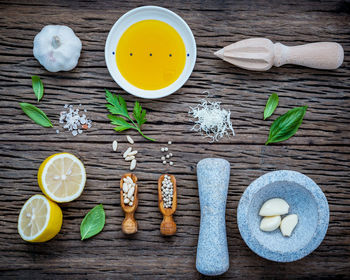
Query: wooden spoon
x,y
168,226
129,225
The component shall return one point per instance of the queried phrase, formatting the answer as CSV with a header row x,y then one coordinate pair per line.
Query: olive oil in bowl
x,y
150,55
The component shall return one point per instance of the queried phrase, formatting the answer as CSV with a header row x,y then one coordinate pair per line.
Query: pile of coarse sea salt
x,y
211,120
73,120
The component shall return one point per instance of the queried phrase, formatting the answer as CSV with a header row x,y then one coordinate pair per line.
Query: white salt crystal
x,y
72,120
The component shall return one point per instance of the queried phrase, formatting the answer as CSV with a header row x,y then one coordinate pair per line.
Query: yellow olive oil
x,y
151,55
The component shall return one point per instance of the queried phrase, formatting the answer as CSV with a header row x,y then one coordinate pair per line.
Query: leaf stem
x,y
139,130
146,136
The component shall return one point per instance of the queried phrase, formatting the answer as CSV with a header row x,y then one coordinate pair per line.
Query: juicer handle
x,y
322,55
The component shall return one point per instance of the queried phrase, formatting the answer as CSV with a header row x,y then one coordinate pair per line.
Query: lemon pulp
x,y
40,219
151,54
62,177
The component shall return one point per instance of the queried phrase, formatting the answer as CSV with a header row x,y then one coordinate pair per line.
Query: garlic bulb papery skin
x,y
57,48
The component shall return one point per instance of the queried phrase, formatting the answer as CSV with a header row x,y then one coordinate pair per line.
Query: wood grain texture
x,y
320,149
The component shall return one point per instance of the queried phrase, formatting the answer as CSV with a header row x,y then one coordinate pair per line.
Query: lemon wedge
x,y
40,219
62,177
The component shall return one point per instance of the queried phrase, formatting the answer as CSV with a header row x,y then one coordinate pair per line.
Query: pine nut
x,y
133,153
115,145
130,181
129,158
133,164
131,192
130,140
125,187
127,152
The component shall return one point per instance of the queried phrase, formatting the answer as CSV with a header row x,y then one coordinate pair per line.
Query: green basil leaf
x,y
286,125
93,222
271,105
38,87
36,114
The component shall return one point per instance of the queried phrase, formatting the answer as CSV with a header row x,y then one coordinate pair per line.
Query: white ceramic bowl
x,y
144,13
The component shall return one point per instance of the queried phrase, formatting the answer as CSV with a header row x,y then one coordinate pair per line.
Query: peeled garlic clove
x,y
270,223
274,207
288,224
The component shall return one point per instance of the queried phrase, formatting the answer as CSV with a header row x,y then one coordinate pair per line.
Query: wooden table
x,y
320,149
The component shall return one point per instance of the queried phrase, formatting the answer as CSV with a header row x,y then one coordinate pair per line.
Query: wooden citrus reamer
x,y
168,226
129,225
260,54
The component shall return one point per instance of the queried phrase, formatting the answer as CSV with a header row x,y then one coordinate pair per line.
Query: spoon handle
x,y
322,55
168,226
129,225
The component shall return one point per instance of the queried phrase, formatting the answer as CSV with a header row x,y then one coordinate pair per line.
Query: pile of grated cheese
x,y
211,120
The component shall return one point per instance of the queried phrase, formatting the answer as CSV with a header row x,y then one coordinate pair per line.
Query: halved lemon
x,y
40,219
62,177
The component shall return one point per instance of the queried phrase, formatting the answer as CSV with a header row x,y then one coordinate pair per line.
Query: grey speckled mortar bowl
x,y
305,199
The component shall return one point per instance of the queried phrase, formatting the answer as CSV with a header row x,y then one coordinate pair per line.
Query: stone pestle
x,y
213,176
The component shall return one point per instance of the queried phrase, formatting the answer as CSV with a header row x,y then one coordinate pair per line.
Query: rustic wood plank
x,y
320,149
323,164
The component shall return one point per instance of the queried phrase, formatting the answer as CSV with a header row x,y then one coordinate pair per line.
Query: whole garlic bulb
x,y
57,48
